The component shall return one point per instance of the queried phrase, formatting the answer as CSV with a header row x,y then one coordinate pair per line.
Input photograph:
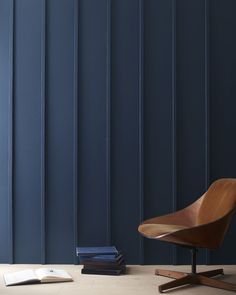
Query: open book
x,y
34,276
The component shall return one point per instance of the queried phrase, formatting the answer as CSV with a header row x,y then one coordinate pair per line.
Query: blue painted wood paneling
x,y
6,10
27,128
75,149
190,83
92,176
59,132
157,119
141,125
43,131
111,111
125,127
222,107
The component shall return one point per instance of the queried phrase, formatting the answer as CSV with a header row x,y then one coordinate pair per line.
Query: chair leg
x,y
201,278
212,273
216,283
170,273
189,279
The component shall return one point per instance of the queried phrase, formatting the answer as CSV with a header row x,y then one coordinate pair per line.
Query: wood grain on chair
x,y
203,224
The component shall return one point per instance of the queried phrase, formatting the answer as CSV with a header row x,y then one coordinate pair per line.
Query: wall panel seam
x,y
207,135
140,123
174,122
108,123
43,97
75,162
11,133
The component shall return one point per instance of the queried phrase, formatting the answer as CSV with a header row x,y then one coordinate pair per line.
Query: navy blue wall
x,y
111,111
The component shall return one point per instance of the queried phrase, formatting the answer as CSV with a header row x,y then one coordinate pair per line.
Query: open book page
x,y
21,277
47,275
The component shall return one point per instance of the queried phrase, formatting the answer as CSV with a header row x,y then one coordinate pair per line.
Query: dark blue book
x,y
94,251
109,258
110,272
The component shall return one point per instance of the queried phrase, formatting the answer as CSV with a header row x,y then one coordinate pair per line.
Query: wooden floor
x,y
139,280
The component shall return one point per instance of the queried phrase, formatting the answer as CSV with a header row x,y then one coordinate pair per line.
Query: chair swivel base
x,y
201,278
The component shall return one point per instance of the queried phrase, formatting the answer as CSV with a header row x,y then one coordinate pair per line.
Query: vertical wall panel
x,y
222,107
111,112
27,128
125,127
43,127
207,104
174,119
140,125
75,151
157,119
92,203
60,124
190,87
108,121
6,63
11,134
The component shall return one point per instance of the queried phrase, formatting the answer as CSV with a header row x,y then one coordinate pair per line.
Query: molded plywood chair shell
x,y
202,224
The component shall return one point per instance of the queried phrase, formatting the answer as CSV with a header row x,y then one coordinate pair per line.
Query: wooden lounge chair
x,y
203,224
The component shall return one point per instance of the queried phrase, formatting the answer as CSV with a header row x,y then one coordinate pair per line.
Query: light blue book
x,y
109,258
94,251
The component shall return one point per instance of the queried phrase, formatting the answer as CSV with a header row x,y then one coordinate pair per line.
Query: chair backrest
x,y
218,201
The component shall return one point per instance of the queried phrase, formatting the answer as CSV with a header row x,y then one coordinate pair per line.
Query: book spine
x,y
103,266
102,261
102,272
91,251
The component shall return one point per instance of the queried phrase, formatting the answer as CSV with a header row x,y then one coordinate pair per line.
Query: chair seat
x,y
202,224
152,230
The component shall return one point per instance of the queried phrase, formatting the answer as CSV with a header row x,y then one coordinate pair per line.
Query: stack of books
x,y
101,260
